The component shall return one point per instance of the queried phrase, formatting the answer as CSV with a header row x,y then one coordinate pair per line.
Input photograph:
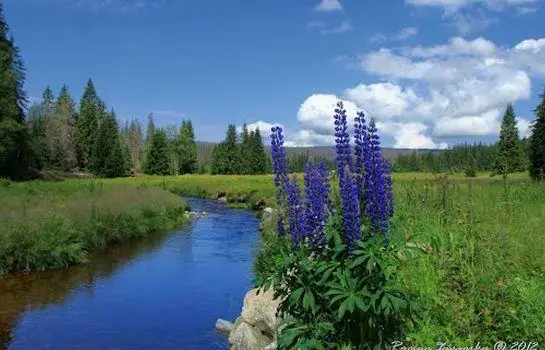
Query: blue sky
x,y
432,72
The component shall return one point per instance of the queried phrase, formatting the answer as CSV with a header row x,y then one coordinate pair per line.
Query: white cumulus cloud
x,y
329,5
431,93
316,113
408,135
524,126
263,126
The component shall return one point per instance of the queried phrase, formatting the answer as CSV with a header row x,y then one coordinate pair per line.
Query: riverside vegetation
x,y
53,225
477,266
468,250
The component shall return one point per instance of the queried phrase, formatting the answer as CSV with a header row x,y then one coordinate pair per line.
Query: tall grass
x,y
480,273
480,267
55,225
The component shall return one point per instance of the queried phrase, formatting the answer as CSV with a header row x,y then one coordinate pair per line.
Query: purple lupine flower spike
x,y
295,211
347,181
350,209
316,198
362,155
280,168
389,188
375,192
342,140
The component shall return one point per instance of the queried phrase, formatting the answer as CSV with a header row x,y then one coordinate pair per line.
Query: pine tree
x,y
14,146
61,132
157,157
509,157
537,143
187,149
88,125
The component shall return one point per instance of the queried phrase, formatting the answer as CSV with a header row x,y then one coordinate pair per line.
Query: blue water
x,y
165,292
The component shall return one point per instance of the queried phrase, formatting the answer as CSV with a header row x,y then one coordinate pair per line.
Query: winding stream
x,y
162,292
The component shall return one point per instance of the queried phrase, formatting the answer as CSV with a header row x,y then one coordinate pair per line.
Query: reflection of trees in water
x,y
38,290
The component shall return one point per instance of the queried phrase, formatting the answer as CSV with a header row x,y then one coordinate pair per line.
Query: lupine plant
x,y
337,278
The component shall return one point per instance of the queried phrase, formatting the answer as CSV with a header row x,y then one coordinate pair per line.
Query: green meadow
x,y
478,268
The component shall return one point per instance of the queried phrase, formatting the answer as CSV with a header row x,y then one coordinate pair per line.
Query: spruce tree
x,y
232,151
171,131
537,143
218,165
509,157
150,131
246,154
37,137
157,156
258,154
14,146
38,119
127,157
62,132
117,163
108,159
187,149
136,141
87,125
225,156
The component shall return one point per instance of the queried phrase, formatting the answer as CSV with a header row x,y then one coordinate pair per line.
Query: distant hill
x,y
204,151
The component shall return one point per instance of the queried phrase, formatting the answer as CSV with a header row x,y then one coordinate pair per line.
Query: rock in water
x,y
246,337
224,327
222,199
259,311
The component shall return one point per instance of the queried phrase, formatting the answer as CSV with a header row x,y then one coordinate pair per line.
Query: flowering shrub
x,y
335,271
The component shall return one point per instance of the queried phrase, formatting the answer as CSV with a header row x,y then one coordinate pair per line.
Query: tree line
x,y
240,154
171,150
509,155
55,133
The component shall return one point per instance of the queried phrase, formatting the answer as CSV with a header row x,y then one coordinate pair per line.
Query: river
x,y
162,292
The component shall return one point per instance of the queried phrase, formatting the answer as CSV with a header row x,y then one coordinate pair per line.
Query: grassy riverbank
x,y
53,225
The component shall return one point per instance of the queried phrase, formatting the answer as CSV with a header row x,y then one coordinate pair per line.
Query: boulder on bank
x,y
222,199
224,327
259,310
256,327
246,337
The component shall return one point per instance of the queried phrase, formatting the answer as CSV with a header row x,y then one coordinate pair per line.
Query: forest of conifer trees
x,y
58,134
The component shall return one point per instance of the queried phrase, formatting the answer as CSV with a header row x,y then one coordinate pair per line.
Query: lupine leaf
x,y
308,300
296,295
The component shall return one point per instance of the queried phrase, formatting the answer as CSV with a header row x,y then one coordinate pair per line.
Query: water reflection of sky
x,y
167,295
